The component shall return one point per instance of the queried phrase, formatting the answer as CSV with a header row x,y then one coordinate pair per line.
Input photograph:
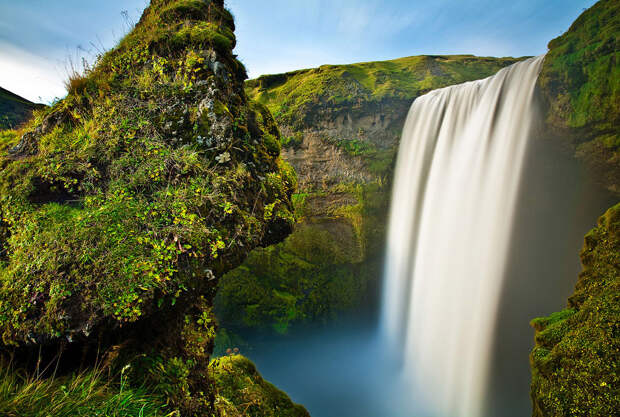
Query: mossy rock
x,y
119,207
576,360
242,391
579,81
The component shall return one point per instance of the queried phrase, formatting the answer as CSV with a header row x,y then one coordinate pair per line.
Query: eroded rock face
x,y
121,204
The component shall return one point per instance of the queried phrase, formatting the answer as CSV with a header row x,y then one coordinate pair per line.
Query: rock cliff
x,y
579,82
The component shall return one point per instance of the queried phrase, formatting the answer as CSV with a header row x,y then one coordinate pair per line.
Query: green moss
x,y
576,359
243,392
320,271
293,96
580,81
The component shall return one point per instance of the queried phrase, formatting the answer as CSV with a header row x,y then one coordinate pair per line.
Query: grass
x,y
290,96
86,394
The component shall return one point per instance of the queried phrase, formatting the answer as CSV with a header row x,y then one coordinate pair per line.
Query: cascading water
x,y
454,198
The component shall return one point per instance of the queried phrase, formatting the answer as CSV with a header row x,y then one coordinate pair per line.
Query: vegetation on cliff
x,y
14,110
122,203
575,362
579,80
296,98
324,268
577,356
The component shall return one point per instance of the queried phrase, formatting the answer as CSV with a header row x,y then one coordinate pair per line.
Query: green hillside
x,y
14,110
293,97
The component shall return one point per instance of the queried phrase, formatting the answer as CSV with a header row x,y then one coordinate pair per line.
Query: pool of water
x,y
336,371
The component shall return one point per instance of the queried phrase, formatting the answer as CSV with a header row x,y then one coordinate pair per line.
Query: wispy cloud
x,y
282,35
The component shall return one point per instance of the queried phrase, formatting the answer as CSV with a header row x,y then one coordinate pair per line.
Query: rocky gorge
x,y
168,199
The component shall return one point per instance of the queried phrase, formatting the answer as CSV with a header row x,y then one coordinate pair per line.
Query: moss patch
x,y
243,392
575,362
580,82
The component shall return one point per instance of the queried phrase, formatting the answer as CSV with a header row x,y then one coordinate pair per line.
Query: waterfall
x,y
456,184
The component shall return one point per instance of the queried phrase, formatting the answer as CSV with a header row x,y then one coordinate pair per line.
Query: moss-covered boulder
x,y
579,81
122,203
576,361
242,391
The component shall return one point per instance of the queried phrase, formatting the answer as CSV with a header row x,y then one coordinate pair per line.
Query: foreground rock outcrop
x,y
242,391
122,204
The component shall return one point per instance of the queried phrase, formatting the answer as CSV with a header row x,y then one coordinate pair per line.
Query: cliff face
x,y
576,358
342,123
122,204
14,110
579,81
341,127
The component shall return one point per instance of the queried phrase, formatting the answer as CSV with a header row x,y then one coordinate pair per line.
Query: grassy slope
x,y
292,96
241,392
87,394
14,110
580,81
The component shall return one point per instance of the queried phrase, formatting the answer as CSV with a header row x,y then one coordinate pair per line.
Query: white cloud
x,y
33,77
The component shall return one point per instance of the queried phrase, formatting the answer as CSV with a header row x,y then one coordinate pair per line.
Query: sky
x,y
40,40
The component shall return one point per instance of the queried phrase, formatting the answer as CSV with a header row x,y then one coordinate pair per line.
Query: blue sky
x,y
39,38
